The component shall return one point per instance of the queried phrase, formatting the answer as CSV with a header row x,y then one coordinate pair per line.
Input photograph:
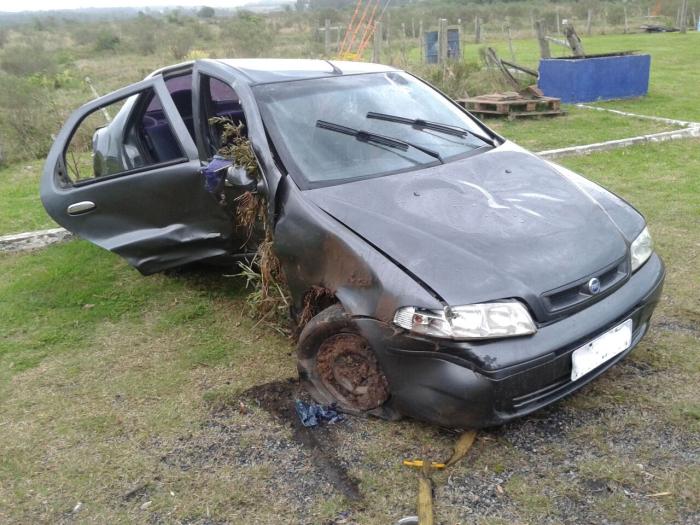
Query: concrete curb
x,y
692,132
671,121
33,240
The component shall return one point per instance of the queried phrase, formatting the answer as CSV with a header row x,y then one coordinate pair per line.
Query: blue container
x,y
432,46
588,79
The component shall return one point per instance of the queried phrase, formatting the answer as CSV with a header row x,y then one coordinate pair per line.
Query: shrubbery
x,y
250,33
27,59
107,41
29,118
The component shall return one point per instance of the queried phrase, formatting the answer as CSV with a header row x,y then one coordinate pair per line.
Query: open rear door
x,y
124,173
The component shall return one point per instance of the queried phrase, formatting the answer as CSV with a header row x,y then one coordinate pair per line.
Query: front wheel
x,y
338,366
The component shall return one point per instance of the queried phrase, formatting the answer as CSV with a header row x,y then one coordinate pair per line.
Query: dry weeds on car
x,y
269,298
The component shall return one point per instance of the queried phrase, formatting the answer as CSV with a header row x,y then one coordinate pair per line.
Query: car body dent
x,y
484,228
317,250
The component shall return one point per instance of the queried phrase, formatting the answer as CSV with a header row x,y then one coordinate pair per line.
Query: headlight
x,y
474,321
641,249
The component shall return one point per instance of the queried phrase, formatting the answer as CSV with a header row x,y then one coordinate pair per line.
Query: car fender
x,y
317,250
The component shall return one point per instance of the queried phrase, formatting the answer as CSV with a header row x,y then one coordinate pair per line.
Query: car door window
x,y
127,135
180,89
219,99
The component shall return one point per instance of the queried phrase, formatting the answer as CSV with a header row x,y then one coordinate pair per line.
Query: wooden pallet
x,y
512,105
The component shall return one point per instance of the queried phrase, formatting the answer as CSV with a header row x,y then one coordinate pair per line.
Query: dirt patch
x,y
675,325
277,398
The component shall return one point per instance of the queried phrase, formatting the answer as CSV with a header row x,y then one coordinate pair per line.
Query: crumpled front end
x,y
480,384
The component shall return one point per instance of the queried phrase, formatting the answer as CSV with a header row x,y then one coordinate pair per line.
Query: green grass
x,y
578,127
19,199
110,380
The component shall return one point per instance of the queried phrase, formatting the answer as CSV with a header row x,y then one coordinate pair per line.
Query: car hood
x,y
496,225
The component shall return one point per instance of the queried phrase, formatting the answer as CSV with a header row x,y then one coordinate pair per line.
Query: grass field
x,y
126,399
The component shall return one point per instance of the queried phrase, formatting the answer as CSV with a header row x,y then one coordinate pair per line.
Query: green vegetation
x,y
19,199
579,126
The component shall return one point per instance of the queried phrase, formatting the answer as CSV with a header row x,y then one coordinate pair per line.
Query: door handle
x,y
81,207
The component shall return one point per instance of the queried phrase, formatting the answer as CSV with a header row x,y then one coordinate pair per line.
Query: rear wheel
x,y
338,365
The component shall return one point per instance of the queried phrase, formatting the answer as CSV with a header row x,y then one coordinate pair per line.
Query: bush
x,y
27,59
206,12
250,34
107,41
452,79
29,119
180,41
141,34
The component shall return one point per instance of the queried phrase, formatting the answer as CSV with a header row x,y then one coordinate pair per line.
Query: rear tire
x,y
338,366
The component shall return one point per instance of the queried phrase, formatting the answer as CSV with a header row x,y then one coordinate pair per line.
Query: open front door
x,y
124,173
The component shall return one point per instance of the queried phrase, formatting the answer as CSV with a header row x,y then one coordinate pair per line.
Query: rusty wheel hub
x,y
350,371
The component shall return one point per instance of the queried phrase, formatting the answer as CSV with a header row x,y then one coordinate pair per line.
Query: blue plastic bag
x,y
214,173
312,415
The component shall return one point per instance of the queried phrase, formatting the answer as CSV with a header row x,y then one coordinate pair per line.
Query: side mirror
x,y
237,177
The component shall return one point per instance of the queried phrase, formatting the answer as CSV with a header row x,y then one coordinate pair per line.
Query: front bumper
x,y
479,384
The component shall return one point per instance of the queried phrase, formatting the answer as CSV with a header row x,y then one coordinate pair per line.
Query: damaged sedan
x,y
436,270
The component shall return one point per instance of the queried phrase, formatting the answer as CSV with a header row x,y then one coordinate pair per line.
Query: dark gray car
x,y
464,280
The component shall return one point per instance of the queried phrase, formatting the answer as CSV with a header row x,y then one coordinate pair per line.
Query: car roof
x,y
266,70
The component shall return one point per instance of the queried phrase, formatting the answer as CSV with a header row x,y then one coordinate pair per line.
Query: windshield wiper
x,y
420,124
376,139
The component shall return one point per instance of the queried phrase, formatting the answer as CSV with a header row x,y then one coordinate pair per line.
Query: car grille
x,y
523,401
574,296
555,379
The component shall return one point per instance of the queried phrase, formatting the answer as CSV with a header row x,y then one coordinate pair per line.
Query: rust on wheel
x,y
350,371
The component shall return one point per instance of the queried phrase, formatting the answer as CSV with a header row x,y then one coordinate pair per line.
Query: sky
x,y
45,5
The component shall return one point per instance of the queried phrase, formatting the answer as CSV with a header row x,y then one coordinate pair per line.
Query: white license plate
x,y
601,349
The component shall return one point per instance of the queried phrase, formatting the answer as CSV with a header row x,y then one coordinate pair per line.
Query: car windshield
x,y
301,116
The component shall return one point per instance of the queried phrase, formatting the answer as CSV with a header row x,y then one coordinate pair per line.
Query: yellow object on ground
x,y
425,488
464,443
425,501
418,463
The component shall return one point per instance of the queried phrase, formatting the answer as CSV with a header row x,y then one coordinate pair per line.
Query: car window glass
x,y
180,89
292,111
219,100
127,135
